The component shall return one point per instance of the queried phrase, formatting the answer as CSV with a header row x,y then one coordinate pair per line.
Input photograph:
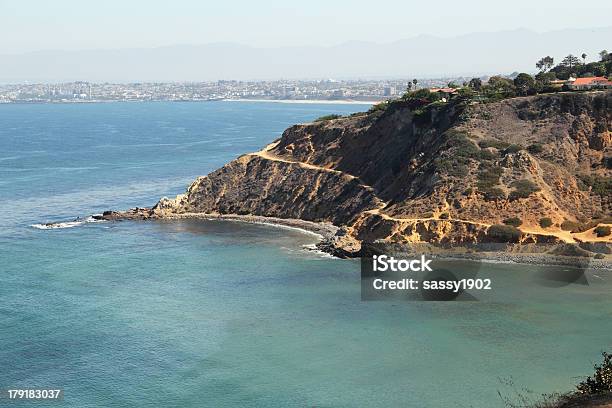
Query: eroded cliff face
x,y
259,186
444,174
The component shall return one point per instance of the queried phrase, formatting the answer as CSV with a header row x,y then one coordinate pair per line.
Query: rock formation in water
x,y
445,173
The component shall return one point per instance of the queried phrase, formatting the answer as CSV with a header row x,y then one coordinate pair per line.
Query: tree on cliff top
x,y
475,84
546,63
525,84
570,61
499,87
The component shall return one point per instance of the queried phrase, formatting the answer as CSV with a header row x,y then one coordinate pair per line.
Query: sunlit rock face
x,y
440,174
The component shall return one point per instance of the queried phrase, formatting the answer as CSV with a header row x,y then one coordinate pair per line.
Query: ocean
x,y
226,314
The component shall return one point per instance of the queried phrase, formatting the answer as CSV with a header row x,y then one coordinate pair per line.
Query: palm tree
x,y
414,81
409,86
584,58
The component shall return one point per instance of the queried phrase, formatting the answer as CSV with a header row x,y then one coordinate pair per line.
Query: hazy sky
x,y
31,25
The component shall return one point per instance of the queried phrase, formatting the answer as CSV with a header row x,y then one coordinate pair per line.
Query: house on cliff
x,y
445,93
582,84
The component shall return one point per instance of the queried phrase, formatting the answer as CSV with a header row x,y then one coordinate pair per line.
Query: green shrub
x,y
488,176
602,231
421,94
587,225
570,226
494,194
456,154
487,155
379,107
593,391
327,117
444,216
466,93
462,145
601,381
498,88
523,189
513,148
525,84
499,145
600,185
514,221
545,222
535,148
504,233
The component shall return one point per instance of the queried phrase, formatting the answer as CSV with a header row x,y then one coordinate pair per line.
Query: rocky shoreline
x,y
322,229
536,259
329,235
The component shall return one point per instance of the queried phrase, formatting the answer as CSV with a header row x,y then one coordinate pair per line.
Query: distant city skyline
x,y
297,90
31,25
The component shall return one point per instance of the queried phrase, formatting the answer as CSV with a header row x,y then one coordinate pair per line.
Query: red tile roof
x,y
592,81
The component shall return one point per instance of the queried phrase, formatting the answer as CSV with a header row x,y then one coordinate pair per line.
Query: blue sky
x,y
30,25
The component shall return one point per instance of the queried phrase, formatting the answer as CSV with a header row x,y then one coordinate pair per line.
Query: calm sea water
x,y
225,314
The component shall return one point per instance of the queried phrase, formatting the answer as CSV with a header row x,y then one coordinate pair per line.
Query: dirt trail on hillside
x,y
266,153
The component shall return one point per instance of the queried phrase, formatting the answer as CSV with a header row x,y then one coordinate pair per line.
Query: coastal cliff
x,y
443,173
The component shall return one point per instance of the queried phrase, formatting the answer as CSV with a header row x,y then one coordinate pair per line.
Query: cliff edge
x,y
441,173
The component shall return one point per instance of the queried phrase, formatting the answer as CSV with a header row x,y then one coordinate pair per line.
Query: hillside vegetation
x,y
419,169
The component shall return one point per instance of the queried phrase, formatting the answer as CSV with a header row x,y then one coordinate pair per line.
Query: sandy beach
x,y
307,101
321,230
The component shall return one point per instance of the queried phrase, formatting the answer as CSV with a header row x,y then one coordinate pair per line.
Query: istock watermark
x,y
388,277
485,273
384,263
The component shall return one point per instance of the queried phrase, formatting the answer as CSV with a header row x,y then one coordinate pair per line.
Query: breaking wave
x,y
66,224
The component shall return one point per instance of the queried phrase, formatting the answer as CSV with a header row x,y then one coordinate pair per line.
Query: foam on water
x,y
312,248
66,224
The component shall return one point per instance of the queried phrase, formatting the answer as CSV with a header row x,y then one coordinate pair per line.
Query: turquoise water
x,y
225,314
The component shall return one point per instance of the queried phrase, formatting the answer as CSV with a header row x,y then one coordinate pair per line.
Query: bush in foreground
x,y
594,391
494,194
545,222
523,189
513,148
603,231
497,144
504,233
535,148
599,185
513,221
570,226
601,381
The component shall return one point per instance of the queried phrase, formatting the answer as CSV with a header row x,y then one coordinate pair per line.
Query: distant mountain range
x,y
422,56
